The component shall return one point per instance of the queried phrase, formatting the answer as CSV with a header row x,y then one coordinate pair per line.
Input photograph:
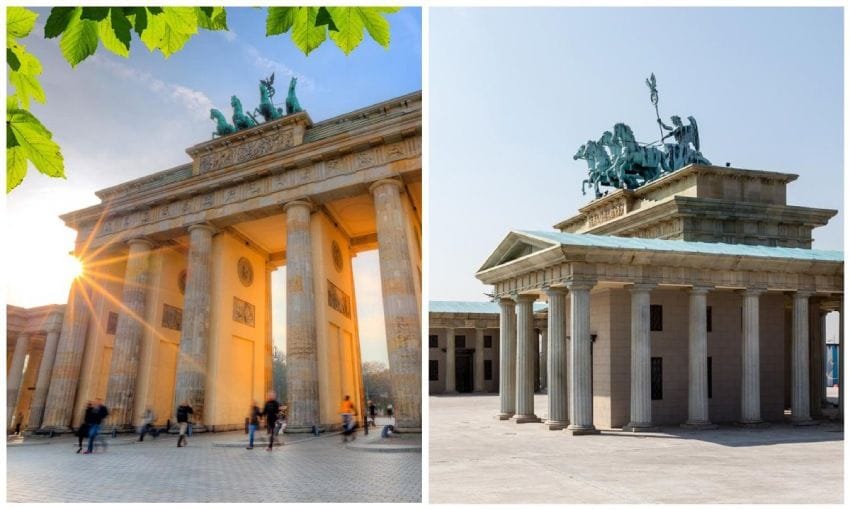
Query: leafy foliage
x,y
377,384
279,374
310,26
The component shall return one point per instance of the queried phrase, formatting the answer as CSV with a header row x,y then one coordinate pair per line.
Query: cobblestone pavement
x,y
320,470
475,458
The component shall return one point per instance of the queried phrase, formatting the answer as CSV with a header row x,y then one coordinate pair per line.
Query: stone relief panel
x,y
243,312
172,317
268,143
111,323
339,300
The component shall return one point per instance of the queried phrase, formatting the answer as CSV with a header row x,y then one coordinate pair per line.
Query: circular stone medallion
x,y
336,253
246,272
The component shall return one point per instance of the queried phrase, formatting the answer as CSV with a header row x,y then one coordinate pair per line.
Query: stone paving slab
x,y
475,458
155,470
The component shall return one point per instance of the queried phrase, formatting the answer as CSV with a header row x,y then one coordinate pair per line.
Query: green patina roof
x,y
471,307
636,243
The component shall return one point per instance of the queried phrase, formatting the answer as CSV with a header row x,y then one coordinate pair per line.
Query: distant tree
x,y
279,374
377,385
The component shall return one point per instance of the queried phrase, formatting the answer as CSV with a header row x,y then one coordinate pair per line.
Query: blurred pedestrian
x,y
98,414
270,411
253,423
18,420
281,423
373,411
390,411
346,409
183,413
147,422
83,430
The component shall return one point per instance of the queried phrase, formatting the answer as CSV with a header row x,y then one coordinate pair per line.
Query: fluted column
x,y
698,362
525,360
800,407
59,407
478,371
544,350
507,358
641,383
16,375
268,354
401,307
302,374
54,328
750,382
581,384
124,367
451,357
556,369
190,383
535,356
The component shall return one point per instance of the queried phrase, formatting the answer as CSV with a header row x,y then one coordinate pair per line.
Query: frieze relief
x,y
243,312
246,151
607,214
339,300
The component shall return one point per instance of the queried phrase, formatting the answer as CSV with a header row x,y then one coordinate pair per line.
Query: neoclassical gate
x,y
175,303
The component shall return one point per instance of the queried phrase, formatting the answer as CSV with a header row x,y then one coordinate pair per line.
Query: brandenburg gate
x,y
175,301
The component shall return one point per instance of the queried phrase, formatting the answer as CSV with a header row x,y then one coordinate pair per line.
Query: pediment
x,y
515,246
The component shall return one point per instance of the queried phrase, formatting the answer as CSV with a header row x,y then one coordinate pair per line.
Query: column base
x,y
527,418
586,430
641,427
804,421
556,425
752,424
304,429
505,416
698,425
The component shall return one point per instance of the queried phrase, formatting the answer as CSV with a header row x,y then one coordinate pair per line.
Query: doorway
x,y
463,370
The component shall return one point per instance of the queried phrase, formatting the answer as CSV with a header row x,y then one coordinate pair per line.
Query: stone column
x,y
581,361
544,369
16,375
817,344
124,366
698,362
641,383
800,359
190,382
535,356
54,327
557,366
59,407
268,377
302,374
401,308
750,383
525,360
451,358
478,371
841,359
507,360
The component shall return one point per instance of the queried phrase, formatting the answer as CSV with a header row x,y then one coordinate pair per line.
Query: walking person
x,y
18,420
147,421
83,430
270,411
390,411
253,423
373,411
346,409
98,414
183,413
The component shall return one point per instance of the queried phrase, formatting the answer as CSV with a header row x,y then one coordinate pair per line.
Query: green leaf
x,y
12,102
350,25
109,30
140,20
16,166
181,19
376,24
11,141
120,25
36,142
155,10
153,33
26,87
169,31
95,13
305,34
208,11
58,21
79,40
280,19
19,21
215,20
12,60
323,17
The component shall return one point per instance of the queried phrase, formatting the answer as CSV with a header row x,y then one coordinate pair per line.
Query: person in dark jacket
x,y
95,419
373,411
183,413
270,411
83,430
253,423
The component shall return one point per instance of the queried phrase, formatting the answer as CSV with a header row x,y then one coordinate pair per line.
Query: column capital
x,y
554,291
506,300
803,293
147,243
583,284
639,287
395,182
697,290
202,226
753,291
301,202
525,298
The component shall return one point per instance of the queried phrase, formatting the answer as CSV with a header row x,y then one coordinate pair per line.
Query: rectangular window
x,y
656,318
460,341
433,342
488,370
708,319
656,376
433,370
488,342
708,372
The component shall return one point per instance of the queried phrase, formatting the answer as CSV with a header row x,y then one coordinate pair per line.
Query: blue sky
x,y
118,119
514,93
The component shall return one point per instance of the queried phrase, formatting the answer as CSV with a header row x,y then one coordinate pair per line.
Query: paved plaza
x,y
475,458
304,470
